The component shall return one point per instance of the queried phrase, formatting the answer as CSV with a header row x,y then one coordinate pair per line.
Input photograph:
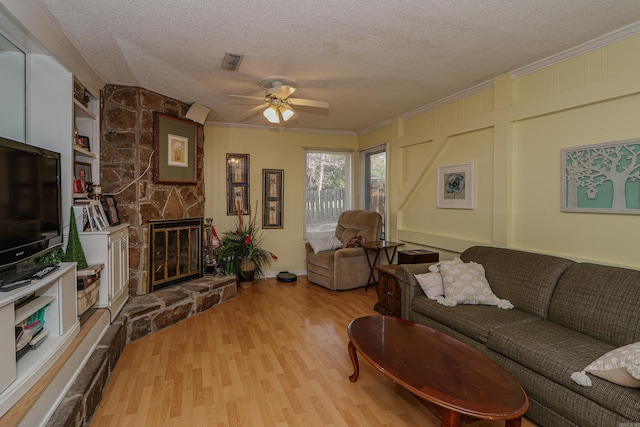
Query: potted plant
x,y
242,247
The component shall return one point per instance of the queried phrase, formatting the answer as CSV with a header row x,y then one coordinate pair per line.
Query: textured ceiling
x,y
372,60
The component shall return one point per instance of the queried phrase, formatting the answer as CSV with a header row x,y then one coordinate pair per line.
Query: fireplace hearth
x,y
176,252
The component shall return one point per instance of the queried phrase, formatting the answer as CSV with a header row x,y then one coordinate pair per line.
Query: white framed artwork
x,y
456,186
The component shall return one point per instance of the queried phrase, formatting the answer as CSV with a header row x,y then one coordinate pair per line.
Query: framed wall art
x,y
175,150
456,186
602,178
111,209
237,183
273,198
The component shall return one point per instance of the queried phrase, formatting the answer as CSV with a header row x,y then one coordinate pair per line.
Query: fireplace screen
x,y
176,247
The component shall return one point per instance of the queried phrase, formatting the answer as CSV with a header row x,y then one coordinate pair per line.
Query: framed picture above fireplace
x,y
175,150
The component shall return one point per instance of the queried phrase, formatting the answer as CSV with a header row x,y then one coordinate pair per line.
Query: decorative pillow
x,y
431,284
435,268
325,244
465,283
620,366
354,242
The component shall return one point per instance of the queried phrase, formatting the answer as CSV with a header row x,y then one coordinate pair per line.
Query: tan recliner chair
x,y
346,268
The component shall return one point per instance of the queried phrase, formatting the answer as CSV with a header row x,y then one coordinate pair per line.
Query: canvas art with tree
x,y
602,178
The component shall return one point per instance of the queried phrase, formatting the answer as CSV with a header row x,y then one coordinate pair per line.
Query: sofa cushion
x,y
599,301
620,366
474,321
524,278
556,352
465,283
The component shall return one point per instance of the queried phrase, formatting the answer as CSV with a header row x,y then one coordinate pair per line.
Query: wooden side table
x,y
389,294
416,256
376,247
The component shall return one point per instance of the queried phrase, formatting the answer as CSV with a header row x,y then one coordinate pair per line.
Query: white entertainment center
x,y
56,292
51,117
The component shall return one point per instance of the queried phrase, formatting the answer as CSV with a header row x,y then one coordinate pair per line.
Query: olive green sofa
x,y
566,315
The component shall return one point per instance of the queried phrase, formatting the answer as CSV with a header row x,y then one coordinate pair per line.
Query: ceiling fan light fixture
x,y
271,114
286,112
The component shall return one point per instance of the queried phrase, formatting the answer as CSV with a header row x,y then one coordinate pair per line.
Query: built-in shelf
x,y
56,292
83,152
32,307
82,111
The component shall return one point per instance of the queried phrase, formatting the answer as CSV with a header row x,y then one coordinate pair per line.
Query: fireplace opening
x,y
176,252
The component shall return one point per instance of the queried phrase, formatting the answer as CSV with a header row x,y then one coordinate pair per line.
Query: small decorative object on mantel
x,y
243,247
211,244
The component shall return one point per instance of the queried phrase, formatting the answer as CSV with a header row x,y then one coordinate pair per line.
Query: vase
x,y
246,273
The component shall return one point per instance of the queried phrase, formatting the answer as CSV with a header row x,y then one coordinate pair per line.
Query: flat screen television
x,y
30,201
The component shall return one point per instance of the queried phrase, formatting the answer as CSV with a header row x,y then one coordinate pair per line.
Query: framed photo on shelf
x,y
273,198
237,183
175,150
83,142
456,186
111,209
81,177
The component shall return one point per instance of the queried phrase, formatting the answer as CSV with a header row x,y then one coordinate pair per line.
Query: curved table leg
x,y
451,418
515,422
354,360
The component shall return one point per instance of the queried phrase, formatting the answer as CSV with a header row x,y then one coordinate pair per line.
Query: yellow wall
x,y
267,150
514,133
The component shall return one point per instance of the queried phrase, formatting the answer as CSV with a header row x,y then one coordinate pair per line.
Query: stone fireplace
x,y
126,159
176,252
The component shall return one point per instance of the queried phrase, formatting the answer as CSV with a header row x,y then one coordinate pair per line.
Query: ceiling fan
x,y
277,101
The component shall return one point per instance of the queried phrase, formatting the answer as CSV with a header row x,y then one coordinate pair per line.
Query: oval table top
x,y
438,368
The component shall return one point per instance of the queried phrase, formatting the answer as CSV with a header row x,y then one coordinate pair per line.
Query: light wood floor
x,y
274,356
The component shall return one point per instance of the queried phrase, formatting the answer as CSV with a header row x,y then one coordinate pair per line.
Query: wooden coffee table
x,y
456,382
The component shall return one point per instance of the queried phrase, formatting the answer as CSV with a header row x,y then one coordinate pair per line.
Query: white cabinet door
x,y
119,263
110,247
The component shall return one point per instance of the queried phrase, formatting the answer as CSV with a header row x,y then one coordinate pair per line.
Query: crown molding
x,y
280,129
448,99
604,40
375,127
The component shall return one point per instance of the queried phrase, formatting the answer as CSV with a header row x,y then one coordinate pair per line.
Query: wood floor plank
x,y
274,356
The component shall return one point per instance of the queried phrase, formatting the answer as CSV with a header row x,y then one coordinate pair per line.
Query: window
x,y
373,193
328,190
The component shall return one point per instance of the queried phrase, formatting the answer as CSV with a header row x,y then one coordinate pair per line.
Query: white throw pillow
x,y
325,244
431,284
465,283
620,366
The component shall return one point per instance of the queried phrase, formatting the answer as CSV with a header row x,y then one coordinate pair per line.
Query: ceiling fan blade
x,y
308,102
259,98
257,108
284,92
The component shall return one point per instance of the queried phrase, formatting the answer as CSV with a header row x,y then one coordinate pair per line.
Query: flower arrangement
x,y
242,247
